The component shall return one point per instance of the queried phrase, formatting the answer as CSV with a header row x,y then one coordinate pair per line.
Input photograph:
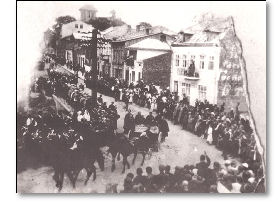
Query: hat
x,y
251,180
251,173
195,171
154,129
245,165
227,162
161,167
185,183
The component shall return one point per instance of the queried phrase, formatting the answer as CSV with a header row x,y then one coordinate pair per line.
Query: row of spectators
x,y
199,178
229,131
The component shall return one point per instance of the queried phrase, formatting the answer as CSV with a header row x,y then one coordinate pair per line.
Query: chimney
x,y
163,38
138,28
147,31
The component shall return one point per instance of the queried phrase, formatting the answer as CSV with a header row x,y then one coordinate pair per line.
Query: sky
x,y
33,18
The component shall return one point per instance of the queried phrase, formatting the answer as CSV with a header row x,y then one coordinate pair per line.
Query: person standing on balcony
x,y
191,69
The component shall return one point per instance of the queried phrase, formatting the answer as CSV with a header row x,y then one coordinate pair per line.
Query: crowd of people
x,y
229,131
199,178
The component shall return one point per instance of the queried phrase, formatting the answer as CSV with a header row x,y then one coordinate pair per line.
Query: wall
x,y
157,70
207,77
69,29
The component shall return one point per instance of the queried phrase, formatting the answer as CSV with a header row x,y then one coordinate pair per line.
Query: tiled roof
x,y
117,32
214,25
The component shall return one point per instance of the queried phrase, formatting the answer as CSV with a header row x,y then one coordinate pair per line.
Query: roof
x,y
207,33
214,25
88,7
125,32
116,32
133,34
205,38
150,44
148,54
158,29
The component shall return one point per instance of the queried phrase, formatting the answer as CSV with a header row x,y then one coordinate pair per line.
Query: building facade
x,y
120,50
203,83
87,12
149,60
215,53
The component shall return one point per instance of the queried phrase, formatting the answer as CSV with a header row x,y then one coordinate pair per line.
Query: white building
x,y
75,27
203,49
137,55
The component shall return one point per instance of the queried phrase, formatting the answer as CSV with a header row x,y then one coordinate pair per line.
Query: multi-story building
x,y
195,70
120,43
65,45
150,61
206,64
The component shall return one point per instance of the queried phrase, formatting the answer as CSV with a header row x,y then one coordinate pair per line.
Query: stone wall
x,y
157,70
231,81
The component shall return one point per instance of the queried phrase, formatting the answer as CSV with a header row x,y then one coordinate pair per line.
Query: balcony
x,y
194,76
188,74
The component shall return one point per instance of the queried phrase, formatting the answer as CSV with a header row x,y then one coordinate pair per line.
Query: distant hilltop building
x,y
88,12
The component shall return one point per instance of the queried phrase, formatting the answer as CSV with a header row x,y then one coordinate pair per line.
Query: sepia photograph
x,y
141,97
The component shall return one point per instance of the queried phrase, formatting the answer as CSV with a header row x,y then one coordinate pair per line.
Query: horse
x,y
121,145
73,160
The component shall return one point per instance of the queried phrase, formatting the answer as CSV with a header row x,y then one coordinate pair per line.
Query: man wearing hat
x,y
163,128
129,123
152,133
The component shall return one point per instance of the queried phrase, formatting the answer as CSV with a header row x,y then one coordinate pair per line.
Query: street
x,y
181,147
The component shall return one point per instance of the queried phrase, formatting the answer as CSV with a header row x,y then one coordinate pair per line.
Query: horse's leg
x,y
134,157
94,173
124,162
119,156
113,161
61,177
127,163
75,177
89,172
144,155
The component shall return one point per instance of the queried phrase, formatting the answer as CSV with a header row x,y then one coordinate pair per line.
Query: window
x,y
202,92
175,86
139,76
186,89
177,60
184,61
211,63
76,26
180,71
133,76
81,26
201,65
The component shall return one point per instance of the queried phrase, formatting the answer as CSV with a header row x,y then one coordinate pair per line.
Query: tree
x,y
102,23
60,21
145,24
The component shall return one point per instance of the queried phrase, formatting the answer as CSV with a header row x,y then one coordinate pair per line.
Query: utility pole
x,y
94,67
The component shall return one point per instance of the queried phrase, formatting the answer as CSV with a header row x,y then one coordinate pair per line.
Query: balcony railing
x,y
188,74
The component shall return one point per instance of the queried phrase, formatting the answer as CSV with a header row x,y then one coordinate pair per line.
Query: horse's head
x,y
100,160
